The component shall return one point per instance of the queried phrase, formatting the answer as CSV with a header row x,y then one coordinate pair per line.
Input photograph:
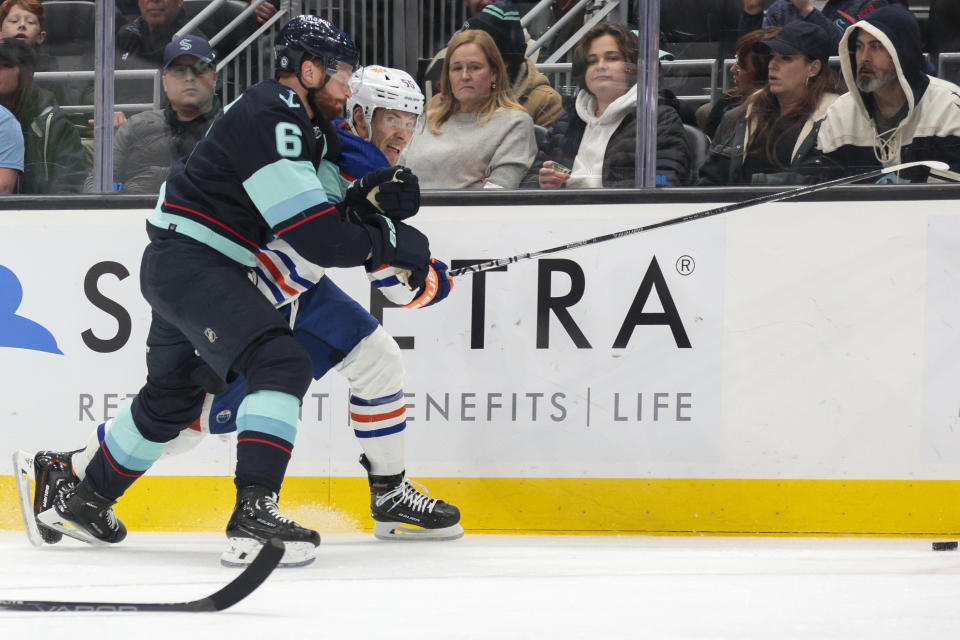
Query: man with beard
x,y
244,225
893,113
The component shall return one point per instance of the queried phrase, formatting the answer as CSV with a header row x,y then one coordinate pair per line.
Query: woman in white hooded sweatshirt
x,y
597,139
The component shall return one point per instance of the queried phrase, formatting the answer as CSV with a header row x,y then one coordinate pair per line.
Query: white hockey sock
x,y
379,425
374,369
81,459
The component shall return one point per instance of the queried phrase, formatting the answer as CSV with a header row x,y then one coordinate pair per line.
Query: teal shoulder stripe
x,y
276,188
203,234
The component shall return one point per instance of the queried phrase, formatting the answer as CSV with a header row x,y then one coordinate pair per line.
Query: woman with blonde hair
x,y
477,136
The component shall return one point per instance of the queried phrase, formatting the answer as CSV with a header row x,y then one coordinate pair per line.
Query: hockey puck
x,y
945,546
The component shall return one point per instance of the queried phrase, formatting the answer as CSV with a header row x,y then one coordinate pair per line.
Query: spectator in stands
x,y
54,158
749,74
140,44
768,138
943,28
477,136
26,20
129,11
528,87
833,16
597,137
11,151
894,113
476,6
384,112
266,10
148,143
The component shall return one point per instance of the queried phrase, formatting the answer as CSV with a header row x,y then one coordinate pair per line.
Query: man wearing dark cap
x,y
893,113
148,144
530,88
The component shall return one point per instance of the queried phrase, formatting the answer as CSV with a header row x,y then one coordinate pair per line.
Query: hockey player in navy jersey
x,y
239,239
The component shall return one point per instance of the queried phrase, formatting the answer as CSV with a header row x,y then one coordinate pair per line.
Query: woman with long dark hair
x,y
767,139
749,73
54,158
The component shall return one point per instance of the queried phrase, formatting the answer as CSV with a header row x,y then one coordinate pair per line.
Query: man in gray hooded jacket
x,y
894,113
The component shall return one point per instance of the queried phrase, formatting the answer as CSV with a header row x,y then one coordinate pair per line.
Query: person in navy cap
x,y
768,139
150,142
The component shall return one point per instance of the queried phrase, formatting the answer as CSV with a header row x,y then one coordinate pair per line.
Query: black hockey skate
x,y
403,510
82,513
52,473
256,519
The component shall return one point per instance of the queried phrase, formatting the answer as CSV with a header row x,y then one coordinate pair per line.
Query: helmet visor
x,y
376,88
340,70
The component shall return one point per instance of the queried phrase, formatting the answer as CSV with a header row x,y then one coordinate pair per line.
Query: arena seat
x,y
70,32
698,144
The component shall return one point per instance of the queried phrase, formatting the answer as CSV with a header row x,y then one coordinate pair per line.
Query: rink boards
x,y
788,368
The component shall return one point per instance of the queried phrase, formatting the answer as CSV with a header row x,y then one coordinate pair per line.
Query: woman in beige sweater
x,y
477,137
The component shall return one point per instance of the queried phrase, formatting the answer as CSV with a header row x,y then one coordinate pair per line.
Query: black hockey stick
x,y
238,589
773,197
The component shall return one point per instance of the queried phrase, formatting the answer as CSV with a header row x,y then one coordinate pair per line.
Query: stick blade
x,y
238,589
251,578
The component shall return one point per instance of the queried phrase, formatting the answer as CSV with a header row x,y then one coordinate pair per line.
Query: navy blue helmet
x,y
312,34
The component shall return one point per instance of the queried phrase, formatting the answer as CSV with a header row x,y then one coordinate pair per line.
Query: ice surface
x,y
484,586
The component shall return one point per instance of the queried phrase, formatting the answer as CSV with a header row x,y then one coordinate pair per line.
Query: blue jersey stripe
x,y
265,279
292,268
360,402
379,433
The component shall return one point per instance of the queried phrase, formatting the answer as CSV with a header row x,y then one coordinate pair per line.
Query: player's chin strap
x,y
773,197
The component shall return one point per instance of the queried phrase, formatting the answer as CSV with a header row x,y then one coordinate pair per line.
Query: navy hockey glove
x,y
394,192
393,283
398,244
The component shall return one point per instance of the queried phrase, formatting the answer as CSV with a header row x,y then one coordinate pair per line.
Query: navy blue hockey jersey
x,y
264,169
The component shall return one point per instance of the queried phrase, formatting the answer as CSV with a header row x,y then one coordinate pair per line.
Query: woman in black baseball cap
x,y
767,139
